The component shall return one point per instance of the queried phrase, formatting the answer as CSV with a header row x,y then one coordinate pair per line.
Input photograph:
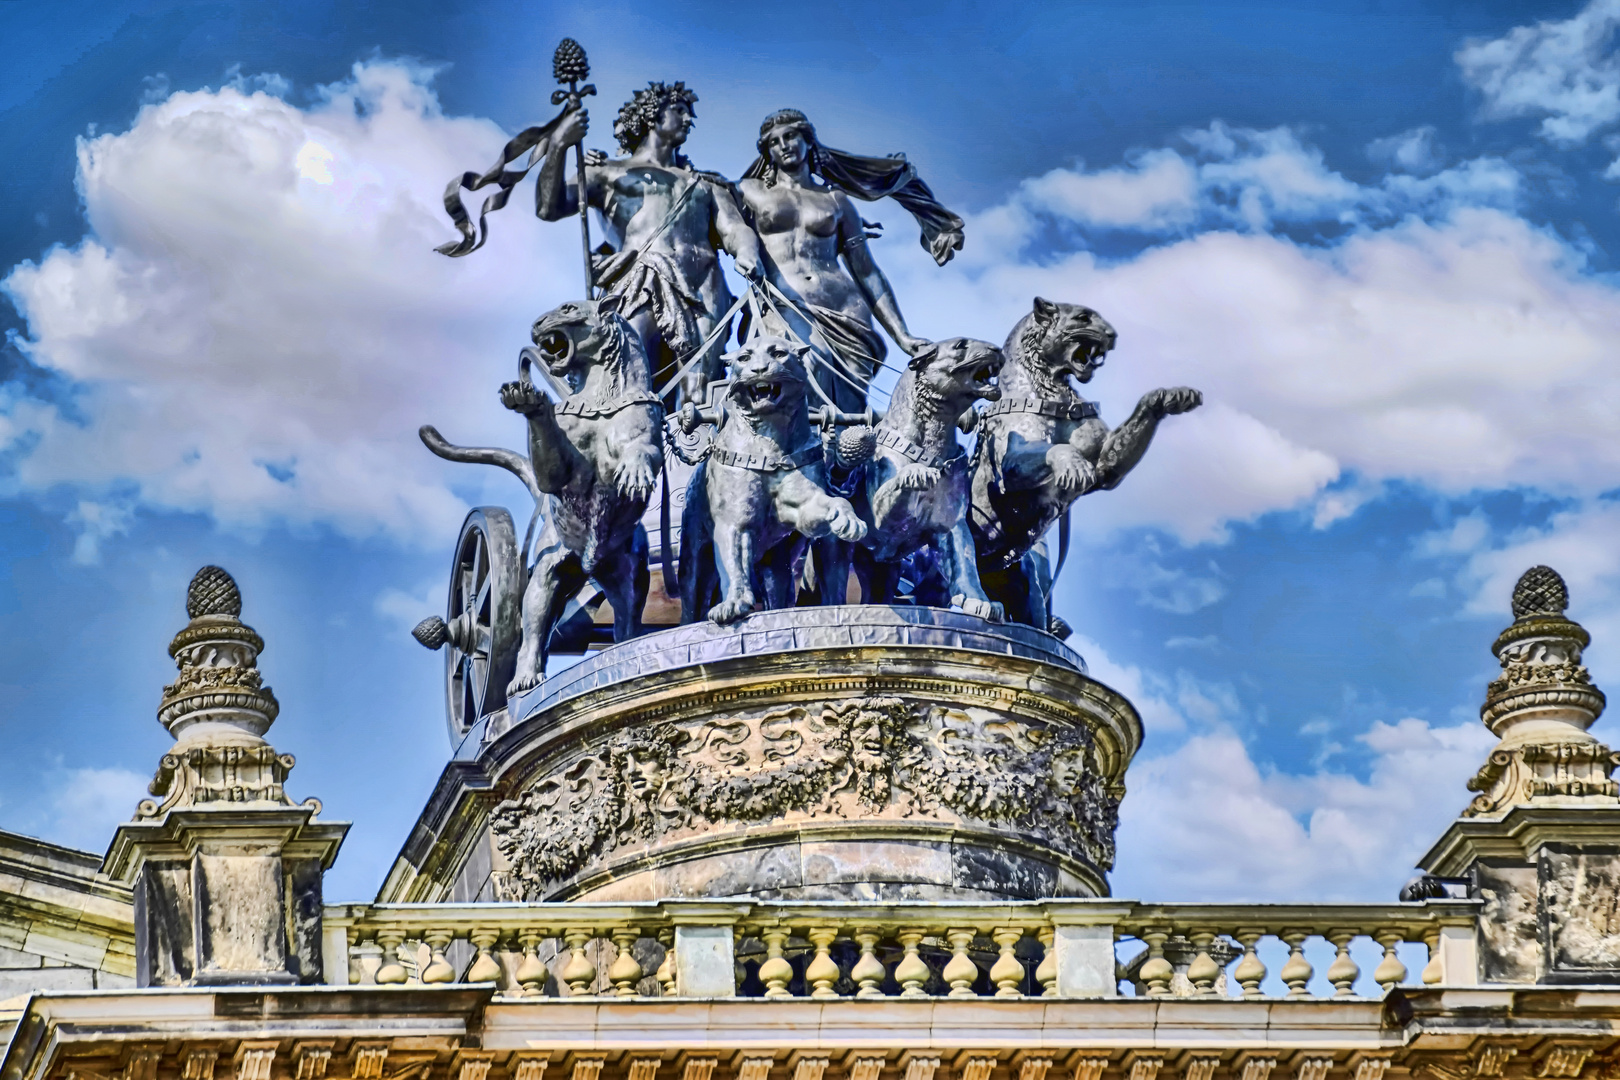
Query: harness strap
x,y
805,455
908,449
591,412
1054,410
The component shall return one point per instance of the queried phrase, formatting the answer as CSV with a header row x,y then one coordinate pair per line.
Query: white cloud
x,y
1203,817
258,323
1468,353
1245,178
97,521
1579,543
1414,150
85,806
1565,71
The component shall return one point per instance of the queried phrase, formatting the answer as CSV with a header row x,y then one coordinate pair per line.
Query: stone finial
x,y
1540,707
218,709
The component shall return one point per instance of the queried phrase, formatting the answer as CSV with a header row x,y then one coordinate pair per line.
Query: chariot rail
x,y
850,949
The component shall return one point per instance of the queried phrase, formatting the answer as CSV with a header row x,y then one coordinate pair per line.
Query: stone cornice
x,y
1519,833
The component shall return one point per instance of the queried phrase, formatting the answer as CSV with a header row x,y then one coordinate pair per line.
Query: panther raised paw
x,y
525,398
731,609
1059,628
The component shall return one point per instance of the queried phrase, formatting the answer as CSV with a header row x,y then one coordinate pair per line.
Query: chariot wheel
x,y
481,627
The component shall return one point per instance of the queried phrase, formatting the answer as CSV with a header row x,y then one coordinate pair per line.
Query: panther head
x,y
958,371
579,334
768,376
1065,339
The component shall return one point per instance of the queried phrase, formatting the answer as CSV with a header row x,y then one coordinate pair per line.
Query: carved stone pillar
x,y
225,868
1540,843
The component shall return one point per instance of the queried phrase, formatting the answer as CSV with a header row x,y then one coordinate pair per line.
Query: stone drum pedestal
x,y
813,753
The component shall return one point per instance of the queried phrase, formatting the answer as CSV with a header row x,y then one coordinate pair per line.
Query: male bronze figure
x,y
667,220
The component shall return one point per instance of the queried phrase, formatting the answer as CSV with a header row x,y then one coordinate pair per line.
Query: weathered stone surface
x,y
1510,939
1580,893
942,755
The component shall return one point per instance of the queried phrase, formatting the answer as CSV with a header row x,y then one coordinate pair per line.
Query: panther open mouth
x,y
1088,356
556,348
984,379
761,395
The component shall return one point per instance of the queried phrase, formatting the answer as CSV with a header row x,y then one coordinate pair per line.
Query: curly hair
x,y
640,114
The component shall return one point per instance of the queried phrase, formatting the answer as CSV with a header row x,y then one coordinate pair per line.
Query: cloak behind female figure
x,y
868,179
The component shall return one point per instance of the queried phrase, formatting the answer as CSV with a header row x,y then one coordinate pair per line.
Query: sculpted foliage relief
x,y
876,756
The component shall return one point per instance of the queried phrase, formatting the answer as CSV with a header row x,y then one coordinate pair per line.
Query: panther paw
x,y
845,523
984,609
915,477
634,479
526,398
731,609
523,684
1059,628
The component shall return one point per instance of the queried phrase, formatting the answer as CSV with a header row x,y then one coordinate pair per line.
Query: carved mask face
x,y
866,736
644,773
1068,772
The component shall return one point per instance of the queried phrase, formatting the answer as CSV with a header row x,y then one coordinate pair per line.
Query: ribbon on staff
x,y
535,139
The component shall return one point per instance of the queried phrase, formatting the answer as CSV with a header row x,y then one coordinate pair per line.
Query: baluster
x,y
1343,972
624,973
485,969
1203,971
1250,972
775,972
579,973
868,971
391,971
531,973
1298,971
666,970
1390,972
1432,971
438,969
351,943
1046,972
911,973
1156,972
822,972
1007,972
961,972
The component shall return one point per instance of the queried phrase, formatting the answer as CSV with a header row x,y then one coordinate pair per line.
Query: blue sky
x,y
1381,238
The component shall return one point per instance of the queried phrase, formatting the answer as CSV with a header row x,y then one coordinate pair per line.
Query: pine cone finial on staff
x,y
568,63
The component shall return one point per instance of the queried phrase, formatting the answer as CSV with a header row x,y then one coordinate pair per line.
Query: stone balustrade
x,y
845,949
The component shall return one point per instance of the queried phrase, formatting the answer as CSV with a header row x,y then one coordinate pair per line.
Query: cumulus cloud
x,y
1564,71
258,323
1578,542
1229,177
84,806
1204,811
1470,352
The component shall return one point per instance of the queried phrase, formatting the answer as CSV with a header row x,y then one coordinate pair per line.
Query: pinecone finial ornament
x,y
213,592
1540,591
568,63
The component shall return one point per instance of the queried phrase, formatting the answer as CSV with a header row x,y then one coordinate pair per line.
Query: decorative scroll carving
x,y
859,758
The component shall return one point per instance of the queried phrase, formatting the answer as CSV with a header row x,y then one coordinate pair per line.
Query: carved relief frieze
x,y
856,758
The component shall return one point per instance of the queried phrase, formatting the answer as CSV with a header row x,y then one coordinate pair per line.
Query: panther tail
x,y
512,462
